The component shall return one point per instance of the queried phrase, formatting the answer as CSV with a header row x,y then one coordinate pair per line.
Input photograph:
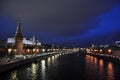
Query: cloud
x,y
55,19
105,30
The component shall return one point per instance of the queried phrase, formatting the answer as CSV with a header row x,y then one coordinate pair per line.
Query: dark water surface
x,y
66,67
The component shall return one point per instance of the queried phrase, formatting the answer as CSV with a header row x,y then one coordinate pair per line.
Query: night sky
x,y
62,22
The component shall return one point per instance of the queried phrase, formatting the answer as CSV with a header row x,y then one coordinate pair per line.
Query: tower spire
x,y
19,31
33,38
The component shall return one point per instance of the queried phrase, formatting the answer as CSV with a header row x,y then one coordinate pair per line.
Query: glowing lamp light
x,y
95,50
15,50
33,50
9,50
37,50
28,50
109,50
101,50
43,50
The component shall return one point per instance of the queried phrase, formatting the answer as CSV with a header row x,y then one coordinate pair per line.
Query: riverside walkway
x,y
6,65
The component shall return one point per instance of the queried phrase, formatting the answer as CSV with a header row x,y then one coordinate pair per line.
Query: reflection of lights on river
x,y
49,61
101,62
14,76
110,71
53,59
43,69
88,59
91,59
56,56
101,66
95,60
34,70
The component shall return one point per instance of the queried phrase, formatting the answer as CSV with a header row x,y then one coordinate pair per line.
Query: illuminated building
x,y
25,41
21,45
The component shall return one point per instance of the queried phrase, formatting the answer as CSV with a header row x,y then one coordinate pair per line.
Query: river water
x,y
74,66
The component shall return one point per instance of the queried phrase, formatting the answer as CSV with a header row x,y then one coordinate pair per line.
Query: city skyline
x,y
70,24
59,39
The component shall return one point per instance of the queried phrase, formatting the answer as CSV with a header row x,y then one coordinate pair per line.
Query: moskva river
x,y
74,66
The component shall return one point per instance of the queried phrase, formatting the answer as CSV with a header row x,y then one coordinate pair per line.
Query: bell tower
x,y
19,38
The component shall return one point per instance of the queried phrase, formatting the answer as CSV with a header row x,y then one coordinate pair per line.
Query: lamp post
x,y
34,50
38,50
9,51
28,50
43,50
109,51
101,50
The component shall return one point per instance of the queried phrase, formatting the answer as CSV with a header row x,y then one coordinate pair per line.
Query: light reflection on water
x,y
43,69
110,71
98,65
31,72
101,63
56,56
95,60
53,59
58,67
101,68
13,75
34,70
91,59
49,61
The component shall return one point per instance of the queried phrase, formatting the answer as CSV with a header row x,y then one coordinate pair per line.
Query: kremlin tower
x,y
19,38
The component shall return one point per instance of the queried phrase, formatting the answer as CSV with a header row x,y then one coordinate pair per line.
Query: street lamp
x,y
43,50
38,50
95,50
101,50
28,50
9,51
33,50
109,50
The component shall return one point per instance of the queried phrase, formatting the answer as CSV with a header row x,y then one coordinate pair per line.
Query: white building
x,y
25,41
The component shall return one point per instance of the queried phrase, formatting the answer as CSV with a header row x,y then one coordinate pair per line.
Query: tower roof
x,y
19,31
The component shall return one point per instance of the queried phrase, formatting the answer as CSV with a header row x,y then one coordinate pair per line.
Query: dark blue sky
x,y
64,22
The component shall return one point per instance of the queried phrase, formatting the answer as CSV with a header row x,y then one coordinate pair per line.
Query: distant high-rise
x,y
19,38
